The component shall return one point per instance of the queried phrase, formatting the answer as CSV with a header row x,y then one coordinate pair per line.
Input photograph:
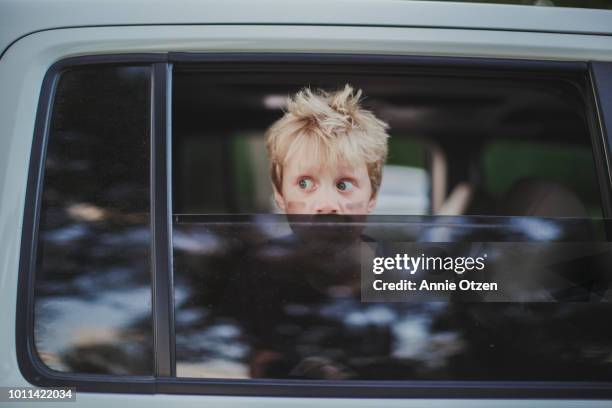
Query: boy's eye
x,y
344,185
305,183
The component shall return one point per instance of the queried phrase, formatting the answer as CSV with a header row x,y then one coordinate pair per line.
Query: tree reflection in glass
x,y
93,295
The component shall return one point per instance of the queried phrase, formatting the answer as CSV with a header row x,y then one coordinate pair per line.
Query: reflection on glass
x,y
260,297
92,295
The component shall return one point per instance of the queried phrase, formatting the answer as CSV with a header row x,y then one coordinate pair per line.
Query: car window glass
x,y
92,285
478,161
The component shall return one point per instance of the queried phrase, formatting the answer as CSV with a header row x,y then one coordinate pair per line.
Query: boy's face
x,y
312,187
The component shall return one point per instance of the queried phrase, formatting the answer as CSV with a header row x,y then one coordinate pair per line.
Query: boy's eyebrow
x,y
315,169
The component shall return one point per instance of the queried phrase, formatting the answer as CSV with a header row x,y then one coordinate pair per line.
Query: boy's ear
x,y
280,201
372,202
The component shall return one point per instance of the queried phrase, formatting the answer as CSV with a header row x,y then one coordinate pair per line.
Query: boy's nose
x,y
325,201
327,207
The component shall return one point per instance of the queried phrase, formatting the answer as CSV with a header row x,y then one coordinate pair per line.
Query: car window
x,y
485,186
264,295
242,313
92,286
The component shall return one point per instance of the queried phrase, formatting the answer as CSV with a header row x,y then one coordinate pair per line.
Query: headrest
x,y
541,198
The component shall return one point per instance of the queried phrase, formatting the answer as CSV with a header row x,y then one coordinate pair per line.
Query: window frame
x,y
598,111
30,364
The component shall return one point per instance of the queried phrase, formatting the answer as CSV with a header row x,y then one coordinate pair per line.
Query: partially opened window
x,y
486,167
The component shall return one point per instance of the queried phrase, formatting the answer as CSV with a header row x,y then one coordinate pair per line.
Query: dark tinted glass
x,y
267,297
93,295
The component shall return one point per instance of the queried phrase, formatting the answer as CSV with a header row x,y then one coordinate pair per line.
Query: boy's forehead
x,y
313,158
311,164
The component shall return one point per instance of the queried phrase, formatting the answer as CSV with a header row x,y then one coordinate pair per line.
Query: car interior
x,y
461,143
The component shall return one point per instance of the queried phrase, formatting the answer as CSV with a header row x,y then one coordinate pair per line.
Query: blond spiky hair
x,y
336,126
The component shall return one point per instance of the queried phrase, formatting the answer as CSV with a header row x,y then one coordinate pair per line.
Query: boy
x,y
326,154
